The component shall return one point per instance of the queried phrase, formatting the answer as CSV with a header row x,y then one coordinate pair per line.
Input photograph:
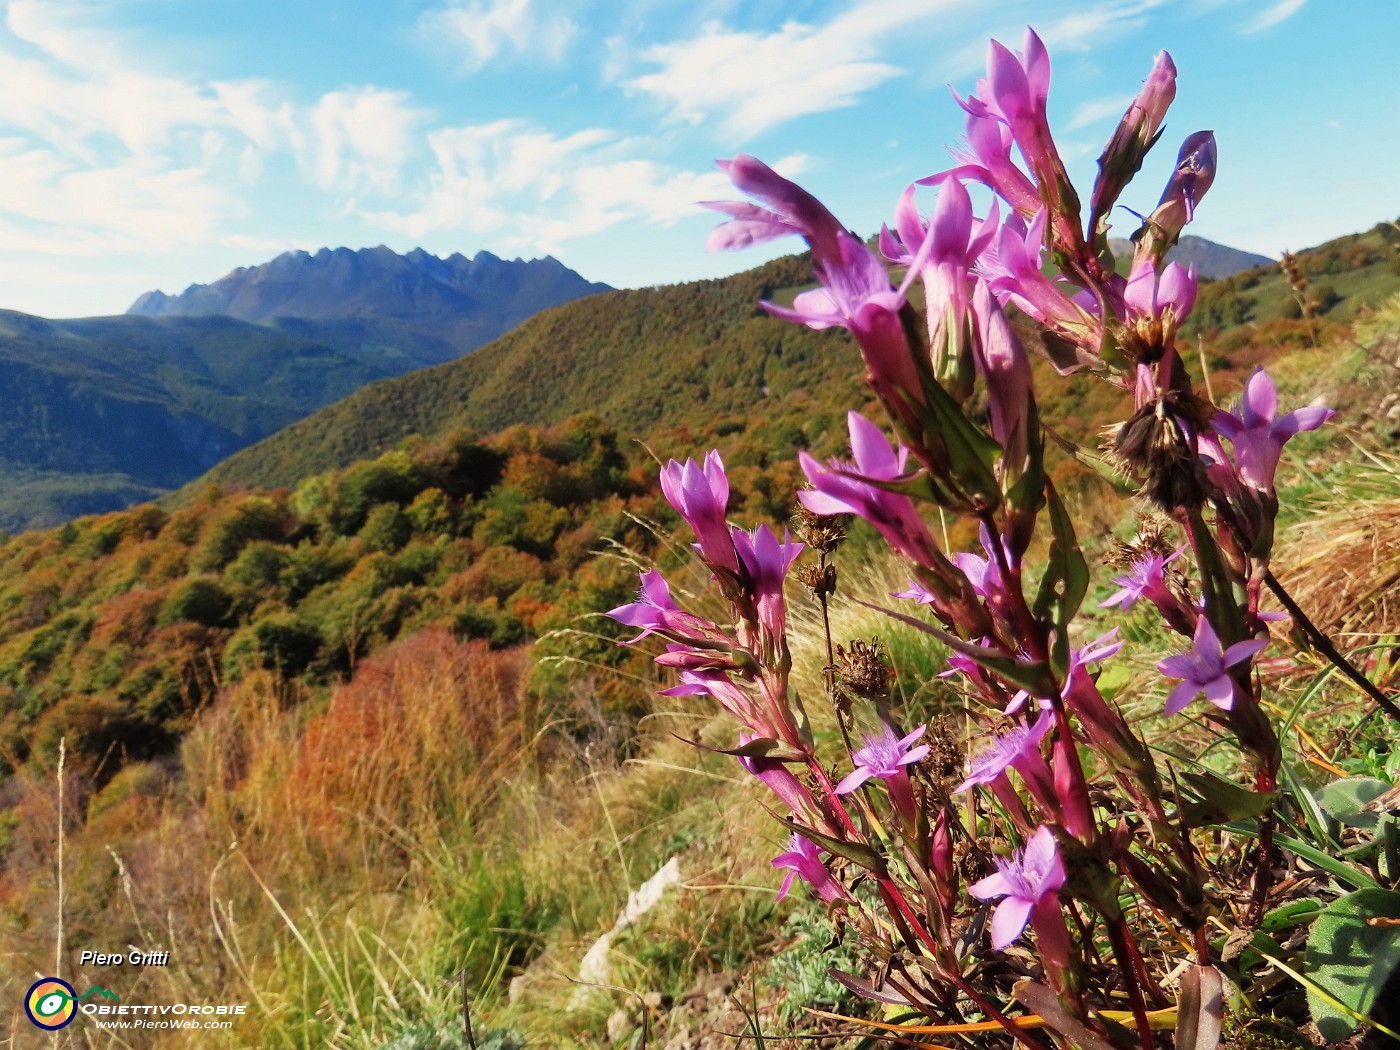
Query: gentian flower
x,y
656,612
778,778
1011,267
1018,748
1101,648
856,295
1146,578
802,860
1205,668
1258,434
1014,93
885,756
1195,171
766,559
856,291
1029,883
841,488
793,211
700,495
957,240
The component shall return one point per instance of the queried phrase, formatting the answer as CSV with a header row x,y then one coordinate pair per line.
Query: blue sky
x,y
154,143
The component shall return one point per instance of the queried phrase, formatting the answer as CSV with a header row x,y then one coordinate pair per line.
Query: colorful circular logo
x,y
51,1004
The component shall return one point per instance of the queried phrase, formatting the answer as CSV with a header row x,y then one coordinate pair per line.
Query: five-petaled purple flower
x,y
1258,433
1145,578
1205,668
1028,881
802,859
1018,748
885,756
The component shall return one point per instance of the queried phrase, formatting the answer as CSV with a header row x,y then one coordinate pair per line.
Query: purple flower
x,y
1018,749
1259,435
1014,94
856,295
916,593
1101,648
1166,300
1002,362
1145,578
1026,881
842,488
656,612
953,240
777,777
766,559
1204,669
1011,267
885,756
1195,171
700,495
733,697
803,860
793,210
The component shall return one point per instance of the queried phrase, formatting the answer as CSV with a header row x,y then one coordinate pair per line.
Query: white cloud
x,y
361,137
477,32
1273,15
1093,110
753,80
533,191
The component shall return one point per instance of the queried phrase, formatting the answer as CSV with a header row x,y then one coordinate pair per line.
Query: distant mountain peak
x,y
1211,259
484,293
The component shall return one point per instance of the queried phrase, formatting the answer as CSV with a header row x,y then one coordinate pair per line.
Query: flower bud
x,y
1136,133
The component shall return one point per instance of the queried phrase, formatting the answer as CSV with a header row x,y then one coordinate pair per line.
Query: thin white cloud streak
x,y
756,80
478,33
1272,16
532,190
1095,110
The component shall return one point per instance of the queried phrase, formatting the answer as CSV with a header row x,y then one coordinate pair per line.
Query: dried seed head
x,y
1153,537
819,579
822,533
1156,443
862,669
945,757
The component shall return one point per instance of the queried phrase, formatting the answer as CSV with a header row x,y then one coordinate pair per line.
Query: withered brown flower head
x,y
821,533
1154,536
1157,444
863,670
819,579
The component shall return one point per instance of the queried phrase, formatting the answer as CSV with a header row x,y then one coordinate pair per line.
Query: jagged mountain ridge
x,y
454,304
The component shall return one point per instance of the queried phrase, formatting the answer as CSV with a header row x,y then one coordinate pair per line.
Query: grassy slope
x,y
688,355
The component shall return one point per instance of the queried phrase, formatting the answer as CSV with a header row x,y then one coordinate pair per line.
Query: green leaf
x,y
1294,913
856,852
1350,958
971,450
1339,870
1345,800
1220,800
1066,579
